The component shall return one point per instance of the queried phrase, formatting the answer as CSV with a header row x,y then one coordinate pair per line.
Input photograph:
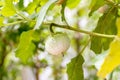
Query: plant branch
x,y
65,27
16,22
82,31
13,23
24,17
85,46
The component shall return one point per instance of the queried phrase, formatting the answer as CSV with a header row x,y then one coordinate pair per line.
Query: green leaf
x,y
43,12
118,25
32,6
8,9
1,21
106,25
95,4
1,3
21,4
26,46
72,4
74,68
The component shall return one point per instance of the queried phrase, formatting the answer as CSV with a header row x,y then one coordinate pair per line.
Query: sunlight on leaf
x,y
34,6
1,3
16,0
118,26
72,4
1,21
31,7
112,60
8,9
26,47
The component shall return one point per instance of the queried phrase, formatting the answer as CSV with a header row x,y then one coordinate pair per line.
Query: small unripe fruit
x,y
57,43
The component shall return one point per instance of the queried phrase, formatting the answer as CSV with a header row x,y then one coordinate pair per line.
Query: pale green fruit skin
x,y
57,43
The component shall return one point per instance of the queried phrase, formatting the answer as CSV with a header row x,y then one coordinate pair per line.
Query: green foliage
x,y
42,13
106,25
8,9
72,4
74,68
32,6
25,25
1,3
95,4
26,47
21,4
35,5
1,21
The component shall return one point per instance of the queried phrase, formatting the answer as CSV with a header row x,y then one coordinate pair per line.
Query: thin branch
x,y
83,31
85,46
16,22
24,17
66,27
13,23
